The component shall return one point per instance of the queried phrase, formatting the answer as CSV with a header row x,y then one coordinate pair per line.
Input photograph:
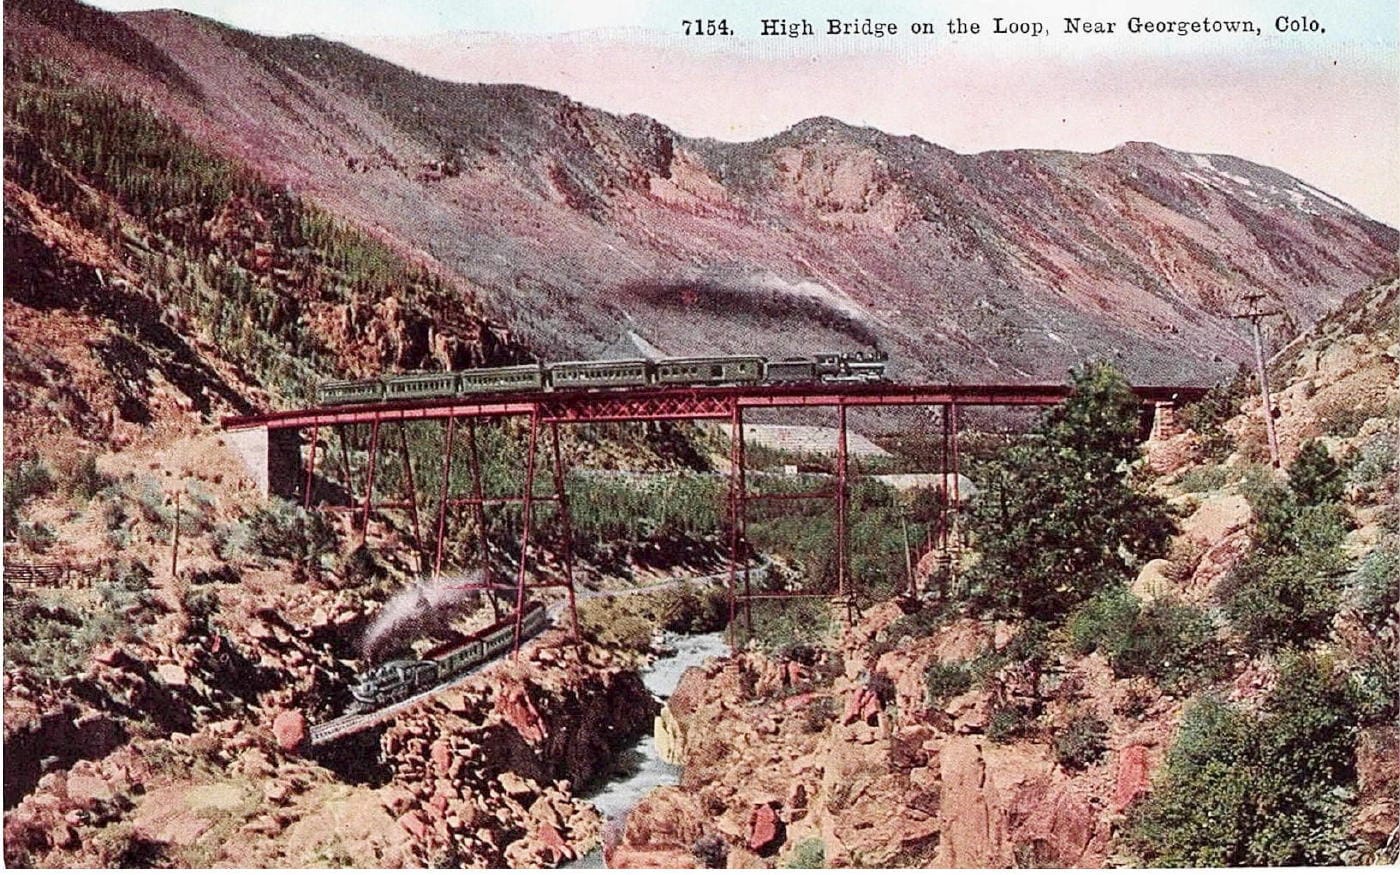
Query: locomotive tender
x,y
835,367
398,679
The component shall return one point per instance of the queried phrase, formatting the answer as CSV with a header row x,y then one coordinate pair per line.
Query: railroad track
x,y
41,574
349,724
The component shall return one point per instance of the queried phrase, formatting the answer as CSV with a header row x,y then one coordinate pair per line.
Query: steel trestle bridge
x,y
547,411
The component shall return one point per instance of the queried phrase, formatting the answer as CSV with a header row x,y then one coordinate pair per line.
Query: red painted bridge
x,y
288,446
707,402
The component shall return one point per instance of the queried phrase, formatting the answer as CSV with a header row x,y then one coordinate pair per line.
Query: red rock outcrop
x,y
895,783
489,766
289,728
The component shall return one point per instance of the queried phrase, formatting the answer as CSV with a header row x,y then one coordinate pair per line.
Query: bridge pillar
x,y
1163,421
271,456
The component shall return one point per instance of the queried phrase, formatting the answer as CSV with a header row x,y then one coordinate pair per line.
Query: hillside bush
x,y
1278,600
1315,477
684,611
1166,640
1373,589
1029,649
282,530
1060,516
810,853
1006,723
1208,416
81,478
613,624
231,540
1377,461
1288,589
781,623
54,635
1266,789
25,479
36,537
818,714
711,850
1375,677
1081,743
921,623
1204,478
944,680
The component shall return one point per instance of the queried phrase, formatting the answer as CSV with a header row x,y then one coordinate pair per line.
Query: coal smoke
x,y
424,609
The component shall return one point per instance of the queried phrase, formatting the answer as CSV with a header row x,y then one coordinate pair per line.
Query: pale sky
x,y
1323,105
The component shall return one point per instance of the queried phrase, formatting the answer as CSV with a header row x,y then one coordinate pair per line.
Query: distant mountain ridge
x,y
572,225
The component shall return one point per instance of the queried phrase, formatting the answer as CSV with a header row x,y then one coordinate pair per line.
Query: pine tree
x,y
1060,518
1315,477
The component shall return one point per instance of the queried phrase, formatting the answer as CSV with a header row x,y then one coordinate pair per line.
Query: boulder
x,y
172,675
668,737
1154,580
276,792
764,829
1219,560
514,705
862,705
86,789
514,785
290,730
413,825
1217,517
440,754
1054,826
664,825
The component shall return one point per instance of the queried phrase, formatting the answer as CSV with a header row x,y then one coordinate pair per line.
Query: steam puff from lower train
x,y
836,367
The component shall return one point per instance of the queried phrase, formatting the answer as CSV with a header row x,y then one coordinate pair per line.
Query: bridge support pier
x,y
271,457
843,560
1163,421
527,517
738,522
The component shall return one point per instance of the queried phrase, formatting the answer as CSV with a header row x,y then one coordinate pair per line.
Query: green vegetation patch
x,y
1268,789
1288,589
810,853
1167,640
53,634
1081,743
248,261
1060,517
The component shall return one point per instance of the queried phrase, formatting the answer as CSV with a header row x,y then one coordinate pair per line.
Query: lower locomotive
x,y
857,367
398,679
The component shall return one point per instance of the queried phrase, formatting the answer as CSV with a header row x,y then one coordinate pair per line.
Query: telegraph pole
x,y
1254,315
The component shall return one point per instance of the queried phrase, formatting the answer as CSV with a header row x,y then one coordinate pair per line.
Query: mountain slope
x,y
571,224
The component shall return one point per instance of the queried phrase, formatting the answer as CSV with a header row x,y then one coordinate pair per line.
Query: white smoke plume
x,y
425,608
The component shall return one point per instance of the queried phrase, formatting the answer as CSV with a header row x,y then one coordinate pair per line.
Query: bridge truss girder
x,y
702,403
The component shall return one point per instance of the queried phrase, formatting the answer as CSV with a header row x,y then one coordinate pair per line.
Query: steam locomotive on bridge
x,y
398,679
836,367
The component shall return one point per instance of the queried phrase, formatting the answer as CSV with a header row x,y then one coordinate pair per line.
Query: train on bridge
x,y
398,679
729,370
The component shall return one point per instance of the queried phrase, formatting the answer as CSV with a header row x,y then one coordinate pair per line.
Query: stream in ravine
x,y
640,769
